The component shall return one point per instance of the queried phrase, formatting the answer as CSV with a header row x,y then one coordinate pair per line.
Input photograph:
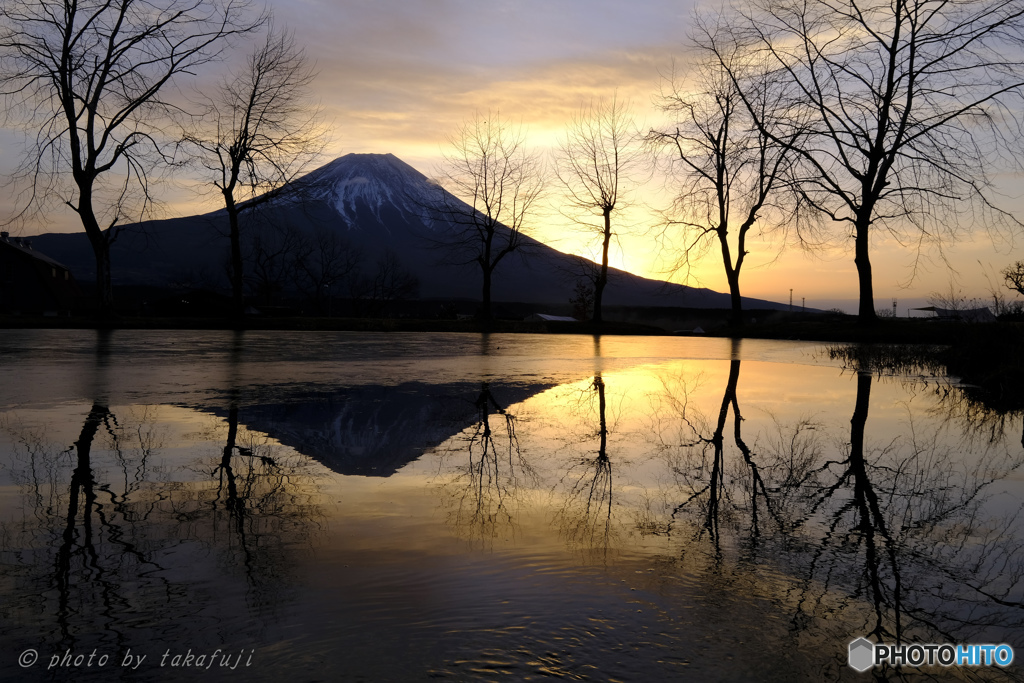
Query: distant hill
x,y
378,203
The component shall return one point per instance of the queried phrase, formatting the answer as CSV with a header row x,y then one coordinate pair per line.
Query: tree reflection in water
x,y
969,409
266,498
160,523
587,488
890,540
90,528
110,542
484,492
698,461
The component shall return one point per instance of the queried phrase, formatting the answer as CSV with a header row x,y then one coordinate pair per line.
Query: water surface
x,y
325,506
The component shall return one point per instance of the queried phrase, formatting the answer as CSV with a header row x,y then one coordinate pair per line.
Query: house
x,y
32,283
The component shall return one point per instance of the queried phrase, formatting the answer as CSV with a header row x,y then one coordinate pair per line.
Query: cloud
x,y
409,113
398,76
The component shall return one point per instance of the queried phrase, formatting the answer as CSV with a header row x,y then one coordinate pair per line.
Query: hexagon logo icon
x,y
862,655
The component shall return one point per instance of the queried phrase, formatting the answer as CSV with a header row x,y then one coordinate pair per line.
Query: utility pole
x,y
791,299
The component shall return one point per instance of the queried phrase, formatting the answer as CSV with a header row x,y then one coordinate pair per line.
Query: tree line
x,y
797,120
281,260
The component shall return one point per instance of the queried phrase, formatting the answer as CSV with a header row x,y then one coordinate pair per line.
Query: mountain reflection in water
x,y
413,506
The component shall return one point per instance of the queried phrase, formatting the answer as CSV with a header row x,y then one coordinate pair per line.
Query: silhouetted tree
x,y
582,300
261,132
272,253
391,281
495,181
906,107
731,175
90,78
1014,277
596,162
326,261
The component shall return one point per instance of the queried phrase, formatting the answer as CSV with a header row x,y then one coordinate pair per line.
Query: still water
x,y
267,506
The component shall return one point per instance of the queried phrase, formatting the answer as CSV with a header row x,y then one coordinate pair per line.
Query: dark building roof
x,y
31,282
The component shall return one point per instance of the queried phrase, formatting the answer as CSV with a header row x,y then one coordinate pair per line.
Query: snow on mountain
x,y
377,181
382,206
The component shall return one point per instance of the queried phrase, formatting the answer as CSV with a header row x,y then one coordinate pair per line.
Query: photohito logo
x,y
864,654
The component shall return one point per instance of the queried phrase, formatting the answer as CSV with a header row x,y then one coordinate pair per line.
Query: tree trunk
x,y
866,311
733,277
100,241
732,273
602,278
487,270
104,288
237,278
485,306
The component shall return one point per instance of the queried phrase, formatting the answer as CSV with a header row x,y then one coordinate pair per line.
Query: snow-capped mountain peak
x,y
375,180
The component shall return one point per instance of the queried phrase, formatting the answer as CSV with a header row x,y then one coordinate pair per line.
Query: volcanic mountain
x,y
379,204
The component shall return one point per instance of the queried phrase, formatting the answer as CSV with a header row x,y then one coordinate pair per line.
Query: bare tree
x,y
582,300
263,131
731,174
325,261
272,251
87,79
496,181
597,157
1014,277
909,105
390,282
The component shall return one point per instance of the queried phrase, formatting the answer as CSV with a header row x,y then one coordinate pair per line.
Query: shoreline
x,y
799,328
989,357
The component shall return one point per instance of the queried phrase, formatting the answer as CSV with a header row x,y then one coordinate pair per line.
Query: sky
x,y
399,76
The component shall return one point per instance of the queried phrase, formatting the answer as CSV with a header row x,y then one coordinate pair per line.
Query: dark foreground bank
x,y
711,322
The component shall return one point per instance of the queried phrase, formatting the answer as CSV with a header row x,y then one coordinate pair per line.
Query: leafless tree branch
x,y
260,132
493,182
90,83
597,162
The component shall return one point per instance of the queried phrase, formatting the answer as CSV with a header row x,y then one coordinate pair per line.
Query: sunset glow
x,y
397,77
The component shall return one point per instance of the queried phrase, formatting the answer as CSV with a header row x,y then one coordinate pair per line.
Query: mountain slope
x,y
377,203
